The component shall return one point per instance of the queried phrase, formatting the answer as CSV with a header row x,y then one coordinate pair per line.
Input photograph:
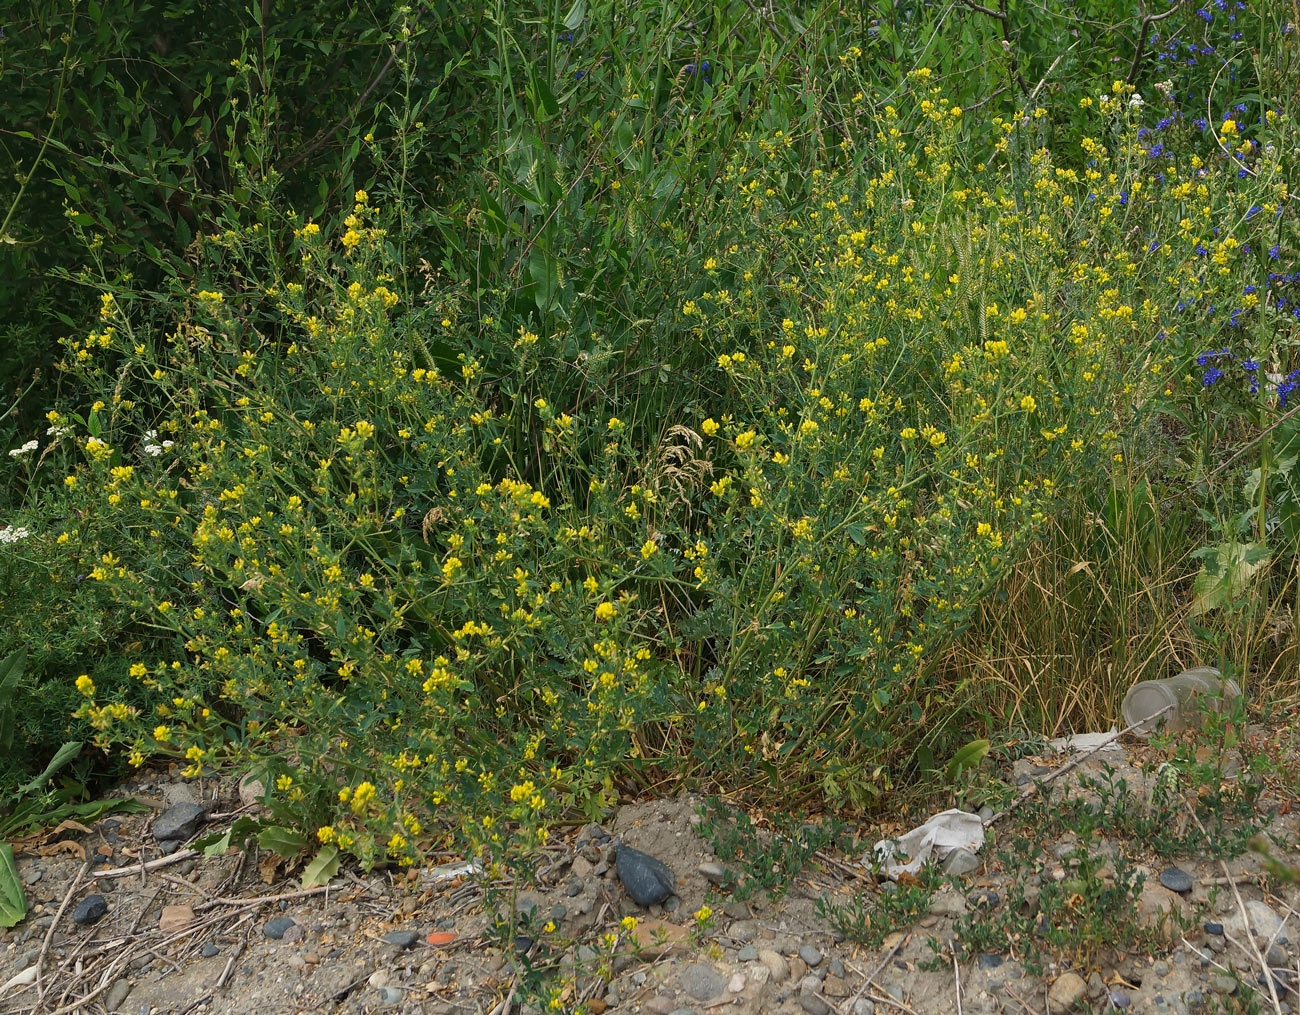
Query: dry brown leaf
x,y
62,846
267,866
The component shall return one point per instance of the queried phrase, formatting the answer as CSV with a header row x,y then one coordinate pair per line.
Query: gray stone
x,y
116,995
1176,879
179,821
701,981
32,875
836,967
1067,991
810,955
747,954
573,887
864,1006
1275,956
1221,984
89,910
1263,921
947,903
209,950
989,960
713,872
960,861
813,1004
646,879
775,963
401,938
743,930
276,928
1120,999
390,995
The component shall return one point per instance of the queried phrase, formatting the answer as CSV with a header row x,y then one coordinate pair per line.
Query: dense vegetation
x,y
461,415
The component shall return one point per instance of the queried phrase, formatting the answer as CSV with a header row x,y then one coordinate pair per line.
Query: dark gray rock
x,y
209,950
401,938
89,910
179,821
275,929
646,879
1120,999
989,960
1176,879
810,955
747,954
1211,927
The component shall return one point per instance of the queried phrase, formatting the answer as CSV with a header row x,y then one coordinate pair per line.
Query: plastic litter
x,y
1088,742
452,871
946,831
1148,697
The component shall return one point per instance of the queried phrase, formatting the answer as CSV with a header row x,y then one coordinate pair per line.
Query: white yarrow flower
x,y
11,533
152,446
26,449
1136,101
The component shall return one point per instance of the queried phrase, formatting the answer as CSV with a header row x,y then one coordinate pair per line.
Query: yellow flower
x,y
709,426
605,611
1028,404
162,734
85,685
1229,127
649,548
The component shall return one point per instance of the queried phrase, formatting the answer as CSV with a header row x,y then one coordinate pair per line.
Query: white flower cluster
x,y
58,431
11,534
26,449
152,447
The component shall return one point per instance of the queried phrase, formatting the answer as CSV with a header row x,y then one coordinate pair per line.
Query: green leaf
x,y
13,903
217,843
968,757
61,757
546,99
576,13
11,671
287,842
1227,571
320,870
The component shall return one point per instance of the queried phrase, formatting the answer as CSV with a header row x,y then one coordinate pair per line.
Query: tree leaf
x,y
324,867
13,903
61,757
576,13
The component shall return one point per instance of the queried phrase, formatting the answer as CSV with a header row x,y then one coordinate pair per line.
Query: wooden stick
x,y
49,934
1072,764
140,868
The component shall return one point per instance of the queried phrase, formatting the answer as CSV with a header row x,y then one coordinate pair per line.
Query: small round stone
x,y
275,929
209,950
748,954
811,956
1211,927
1120,999
89,910
1176,879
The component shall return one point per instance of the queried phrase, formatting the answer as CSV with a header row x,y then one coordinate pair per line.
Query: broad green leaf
x,y
576,13
217,843
546,98
61,757
13,903
11,670
1227,571
968,757
286,842
321,869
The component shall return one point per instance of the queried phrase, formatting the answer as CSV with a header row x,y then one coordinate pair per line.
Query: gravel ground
x,y
234,934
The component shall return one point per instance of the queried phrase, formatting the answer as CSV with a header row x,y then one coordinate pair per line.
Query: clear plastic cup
x,y
1178,694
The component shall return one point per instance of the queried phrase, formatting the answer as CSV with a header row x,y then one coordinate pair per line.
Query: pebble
x,y
1120,999
810,955
645,878
1222,984
864,1006
379,978
116,995
713,872
989,960
209,950
701,981
1176,879
275,929
1275,956
1068,989
401,938
174,918
776,964
747,954
836,967
737,983
179,821
574,887
32,874
960,861
1211,927
985,900
390,995
813,1004
89,910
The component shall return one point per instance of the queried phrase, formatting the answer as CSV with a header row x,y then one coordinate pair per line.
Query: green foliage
x,y
891,908
768,860
577,395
